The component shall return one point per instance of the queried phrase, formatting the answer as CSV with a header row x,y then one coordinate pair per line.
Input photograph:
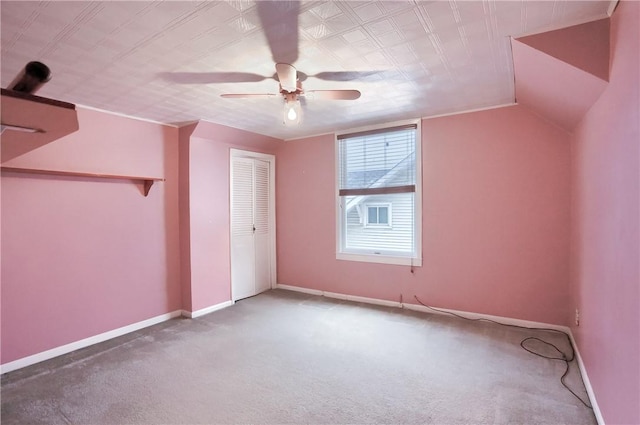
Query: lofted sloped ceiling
x,y
584,46
560,74
169,61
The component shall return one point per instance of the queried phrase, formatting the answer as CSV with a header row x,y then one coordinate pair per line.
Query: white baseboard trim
x,y
358,299
206,310
299,289
587,383
421,308
501,319
83,343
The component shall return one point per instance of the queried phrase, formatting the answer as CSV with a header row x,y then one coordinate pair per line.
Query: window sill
x,y
382,259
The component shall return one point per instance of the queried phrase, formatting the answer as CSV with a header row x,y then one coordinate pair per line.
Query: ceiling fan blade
x,y
279,21
211,77
287,76
349,75
247,95
333,94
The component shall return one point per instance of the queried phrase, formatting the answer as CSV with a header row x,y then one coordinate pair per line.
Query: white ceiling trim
x,y
118,114
468,111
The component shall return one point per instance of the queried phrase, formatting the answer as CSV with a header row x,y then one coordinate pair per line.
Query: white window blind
x,y
377,167
378,162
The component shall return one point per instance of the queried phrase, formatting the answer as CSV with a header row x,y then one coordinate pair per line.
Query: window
x,y
378,215
378,194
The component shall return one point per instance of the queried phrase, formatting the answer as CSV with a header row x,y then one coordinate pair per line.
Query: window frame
x,y
373,257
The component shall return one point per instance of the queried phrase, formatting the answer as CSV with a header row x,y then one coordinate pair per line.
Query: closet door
x,y
242,244
251,226
262,233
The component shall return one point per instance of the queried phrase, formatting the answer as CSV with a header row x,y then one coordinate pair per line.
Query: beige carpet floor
x,y
288,358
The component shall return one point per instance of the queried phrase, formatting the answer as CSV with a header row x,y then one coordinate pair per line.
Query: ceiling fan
x,y
292,92
279,20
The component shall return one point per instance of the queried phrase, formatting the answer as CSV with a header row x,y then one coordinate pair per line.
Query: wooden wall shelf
x,y
51,119
146,181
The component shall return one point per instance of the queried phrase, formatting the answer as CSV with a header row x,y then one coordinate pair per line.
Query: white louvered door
x,y
261,235
251,229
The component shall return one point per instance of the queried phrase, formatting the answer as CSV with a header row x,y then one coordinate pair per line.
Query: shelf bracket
x,y
147,186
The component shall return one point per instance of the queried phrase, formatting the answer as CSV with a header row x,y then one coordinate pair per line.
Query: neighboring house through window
x,y
378,194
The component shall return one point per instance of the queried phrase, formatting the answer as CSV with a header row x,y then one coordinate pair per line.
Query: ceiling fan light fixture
x,y
292,113
291,90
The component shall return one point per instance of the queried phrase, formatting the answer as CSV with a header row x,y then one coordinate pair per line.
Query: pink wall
x,y
605,280
495,219
82,256
206,203
185,220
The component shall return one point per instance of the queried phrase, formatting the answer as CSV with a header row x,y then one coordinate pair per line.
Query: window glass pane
x,y
383,215
373,215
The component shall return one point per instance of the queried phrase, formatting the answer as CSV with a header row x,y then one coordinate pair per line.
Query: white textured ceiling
x,y
153,60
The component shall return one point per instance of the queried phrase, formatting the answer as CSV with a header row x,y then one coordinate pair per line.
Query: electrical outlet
x,y
577,317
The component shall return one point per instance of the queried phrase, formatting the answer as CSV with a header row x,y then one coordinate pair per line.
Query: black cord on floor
x,y
567,359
